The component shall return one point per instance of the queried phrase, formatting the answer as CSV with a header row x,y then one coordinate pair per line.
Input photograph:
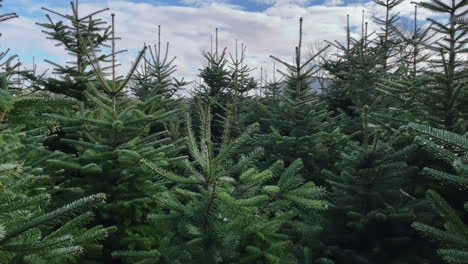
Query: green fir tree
x,y
439,93
33,227
70,33
371,213
453,149
107,139
298,124
224,210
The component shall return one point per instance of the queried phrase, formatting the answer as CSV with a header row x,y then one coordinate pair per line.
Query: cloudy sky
x,y
266,27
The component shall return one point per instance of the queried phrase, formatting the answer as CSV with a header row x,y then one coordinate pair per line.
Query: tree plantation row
x,y
353,157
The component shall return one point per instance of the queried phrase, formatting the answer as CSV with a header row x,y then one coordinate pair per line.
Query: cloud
x,y
333,2
273,31
208,3
284,2
25,38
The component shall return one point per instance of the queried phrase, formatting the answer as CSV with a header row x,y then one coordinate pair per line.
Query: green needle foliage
x,y
29,231
18,103
371,213
225,86
245,177
6,98
224,210
298,124
214,89
154,79
107,138
352,93
78,34
388,38
215,75
453,149
439,93
154,84
241,82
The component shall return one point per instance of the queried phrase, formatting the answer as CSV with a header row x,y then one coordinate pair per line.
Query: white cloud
x,y
333,2
24,37
283,2
271,32
207,3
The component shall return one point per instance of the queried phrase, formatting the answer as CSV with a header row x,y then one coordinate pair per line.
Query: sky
x,y
265,27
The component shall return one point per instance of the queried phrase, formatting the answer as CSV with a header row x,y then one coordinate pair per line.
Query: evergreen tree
x,y
154,79
224,210
243,193
272,87
215,76
6,61
298,125
361,64
241,82
414,54
153,83
224,85
16,106
29,231
108,137
371,213
439,94
388,44
6,98
452,148
69,34
411,65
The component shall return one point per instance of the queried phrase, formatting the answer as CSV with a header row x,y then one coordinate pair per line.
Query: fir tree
x,y
31,233
371,213
108,137
411,65
414,54
69,33
154,78
154,84
439,94
359,67
388,37
16,107
6,98
243,192
221,87
216,75
453,149
241,82
297,124
6,61
224,210
272,87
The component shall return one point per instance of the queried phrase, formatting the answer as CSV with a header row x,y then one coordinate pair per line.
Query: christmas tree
x,y
438,93
223,209
108,137
298,124
79,34
453,149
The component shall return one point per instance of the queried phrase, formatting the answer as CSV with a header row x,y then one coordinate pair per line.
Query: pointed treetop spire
x,y
216,42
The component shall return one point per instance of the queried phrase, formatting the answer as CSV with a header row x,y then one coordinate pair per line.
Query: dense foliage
x,y
370,168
